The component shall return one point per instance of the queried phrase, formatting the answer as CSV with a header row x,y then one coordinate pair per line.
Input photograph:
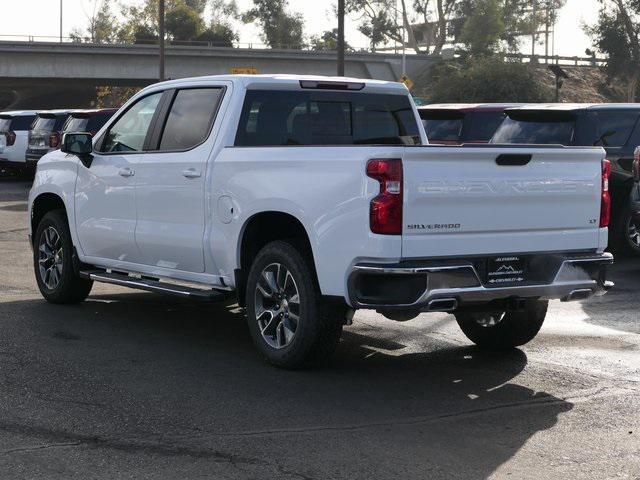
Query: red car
x,y
455,124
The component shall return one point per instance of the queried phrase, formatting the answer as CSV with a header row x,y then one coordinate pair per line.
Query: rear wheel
x,y
504,329
289,323
57,278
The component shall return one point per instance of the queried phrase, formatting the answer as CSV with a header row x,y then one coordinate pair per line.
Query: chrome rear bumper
x,y
434,285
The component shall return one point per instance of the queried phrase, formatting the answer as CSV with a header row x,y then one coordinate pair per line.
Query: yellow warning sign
x,y
244,71
407,81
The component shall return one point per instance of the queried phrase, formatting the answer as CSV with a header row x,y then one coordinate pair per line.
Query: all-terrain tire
x,y
319,325
70,287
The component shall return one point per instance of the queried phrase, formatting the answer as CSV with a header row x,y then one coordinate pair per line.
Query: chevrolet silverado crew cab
x,y
307,198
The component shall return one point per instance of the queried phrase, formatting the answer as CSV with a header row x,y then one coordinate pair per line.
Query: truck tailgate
x,y
462,201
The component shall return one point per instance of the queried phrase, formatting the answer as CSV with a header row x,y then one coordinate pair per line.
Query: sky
x,y
41,18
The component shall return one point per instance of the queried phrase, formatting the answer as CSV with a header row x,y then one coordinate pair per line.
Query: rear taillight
x,y
54,140
636,165
11,138
385,213
605,204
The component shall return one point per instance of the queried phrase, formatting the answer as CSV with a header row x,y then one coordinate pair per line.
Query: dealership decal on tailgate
x,y
506,270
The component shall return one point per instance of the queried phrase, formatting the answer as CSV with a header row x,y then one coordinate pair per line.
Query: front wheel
x,y
57,278
501,330
289,323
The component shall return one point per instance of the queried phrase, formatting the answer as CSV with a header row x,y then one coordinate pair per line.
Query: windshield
x,y
536,130
5,124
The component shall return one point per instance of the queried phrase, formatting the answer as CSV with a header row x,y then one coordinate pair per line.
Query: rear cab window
x,y
443,125
281,118
533,127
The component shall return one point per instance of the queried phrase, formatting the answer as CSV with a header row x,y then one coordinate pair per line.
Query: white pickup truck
x,y
308,198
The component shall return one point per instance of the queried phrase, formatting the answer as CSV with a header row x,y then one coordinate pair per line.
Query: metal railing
x,y
576,61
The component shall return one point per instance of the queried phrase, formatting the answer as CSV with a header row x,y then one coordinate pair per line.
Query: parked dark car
x,y
89,121
45,135
454,124
615,127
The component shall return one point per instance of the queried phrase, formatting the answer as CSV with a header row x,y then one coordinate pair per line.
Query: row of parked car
x,y
27,135
615,127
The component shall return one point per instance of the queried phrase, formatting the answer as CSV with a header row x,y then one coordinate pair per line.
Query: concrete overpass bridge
x,y
49,75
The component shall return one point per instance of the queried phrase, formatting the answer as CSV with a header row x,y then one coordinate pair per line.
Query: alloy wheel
x,y
277,305
50,258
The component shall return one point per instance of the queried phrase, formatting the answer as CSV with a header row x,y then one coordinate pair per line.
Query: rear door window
x,y
543,129
190,118
279,118
613,129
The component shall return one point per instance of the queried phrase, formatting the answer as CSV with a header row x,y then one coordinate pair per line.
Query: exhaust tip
x,y
443,305
580,294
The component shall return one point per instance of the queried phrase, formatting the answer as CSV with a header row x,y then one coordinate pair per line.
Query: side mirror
x,y
77,143
80,144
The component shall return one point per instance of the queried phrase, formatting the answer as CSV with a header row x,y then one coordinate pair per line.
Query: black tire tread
x,y
324,321
72,288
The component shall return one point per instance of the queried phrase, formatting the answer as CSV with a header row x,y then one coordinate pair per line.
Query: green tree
x,y
616,34
182,22
220,31
484,29
280,28
102,24
382,22
327,40
485,80
507,22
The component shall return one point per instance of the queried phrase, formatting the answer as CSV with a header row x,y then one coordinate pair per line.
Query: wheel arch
x,y
259,230
42,204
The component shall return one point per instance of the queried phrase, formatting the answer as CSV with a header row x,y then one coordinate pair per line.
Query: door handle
x,y
126,172
191,173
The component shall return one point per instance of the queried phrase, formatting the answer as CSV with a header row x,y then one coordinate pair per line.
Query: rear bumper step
x,y
435,285
156,285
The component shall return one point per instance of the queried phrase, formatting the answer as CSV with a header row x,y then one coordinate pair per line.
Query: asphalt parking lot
x,y
135,385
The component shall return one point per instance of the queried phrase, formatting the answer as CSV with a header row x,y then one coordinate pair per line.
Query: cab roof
x,y
286,81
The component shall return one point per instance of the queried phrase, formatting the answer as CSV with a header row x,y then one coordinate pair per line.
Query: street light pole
x,y
341,45
161,37
60,21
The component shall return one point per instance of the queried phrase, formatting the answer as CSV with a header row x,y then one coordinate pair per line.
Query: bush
x,y
484,80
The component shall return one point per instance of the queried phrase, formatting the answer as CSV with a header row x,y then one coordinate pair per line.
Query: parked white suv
x,y
14,132
310,197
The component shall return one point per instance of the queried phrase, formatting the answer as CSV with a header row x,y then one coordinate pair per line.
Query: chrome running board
x,y
156,285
